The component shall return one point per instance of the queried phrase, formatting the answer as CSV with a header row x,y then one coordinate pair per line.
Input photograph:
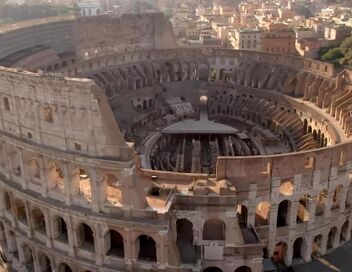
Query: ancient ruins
x,y
122,152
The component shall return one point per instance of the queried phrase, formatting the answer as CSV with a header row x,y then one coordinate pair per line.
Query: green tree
x,y
346,47
332,54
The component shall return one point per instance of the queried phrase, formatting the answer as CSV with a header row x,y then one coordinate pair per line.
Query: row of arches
x,y
320,244
32,260
58,180
85,236
319,136
281,120
117,79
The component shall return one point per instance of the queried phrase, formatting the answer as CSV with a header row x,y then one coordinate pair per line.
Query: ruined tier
x,y
121,152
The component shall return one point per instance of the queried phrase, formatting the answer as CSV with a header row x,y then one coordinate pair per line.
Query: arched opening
x,y
322,140
321,202
202,72
4,246
213,74
243,269
282,214
317,242
158,76
116,244
222,74
20,211
315,134
297,248
185,240
331,238
12,243
150,103
38,221
7,202
138,83
33,169
292,86
242,215
84,187
262,214
305,125
85,237
184,230
2,158
27,256
146,248
214,229
309,129
302,211
279,253
113,191
344,232
15,162
55,176
336,197
286,187
64,268
212,269
60,229
44,263
2,233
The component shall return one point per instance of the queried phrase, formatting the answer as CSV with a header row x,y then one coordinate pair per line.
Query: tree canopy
x,y
346,47
338,55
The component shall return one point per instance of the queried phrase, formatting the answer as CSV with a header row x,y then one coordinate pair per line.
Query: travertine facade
x,y
107,165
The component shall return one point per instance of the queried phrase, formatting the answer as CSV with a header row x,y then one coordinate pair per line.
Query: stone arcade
x,y
112,157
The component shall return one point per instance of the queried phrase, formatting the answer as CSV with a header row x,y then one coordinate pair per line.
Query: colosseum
x,y
122,152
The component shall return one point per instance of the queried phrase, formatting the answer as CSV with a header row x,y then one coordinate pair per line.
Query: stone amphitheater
x,y
122,152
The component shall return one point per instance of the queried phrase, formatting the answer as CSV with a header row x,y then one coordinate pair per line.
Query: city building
x,y
90,7
123,152
246,39
337,34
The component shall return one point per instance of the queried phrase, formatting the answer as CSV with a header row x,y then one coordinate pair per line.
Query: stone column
x,y
14,222
48,229
289,254
292,220
324,242
99,245
129,179
307,248
336,241
67,184
35,261
94,183
349,228
29,220
272,227
43,178
4,153
161,249
72,235
312,206
328,205
273,218
251,205
129,250
342,197
23,169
